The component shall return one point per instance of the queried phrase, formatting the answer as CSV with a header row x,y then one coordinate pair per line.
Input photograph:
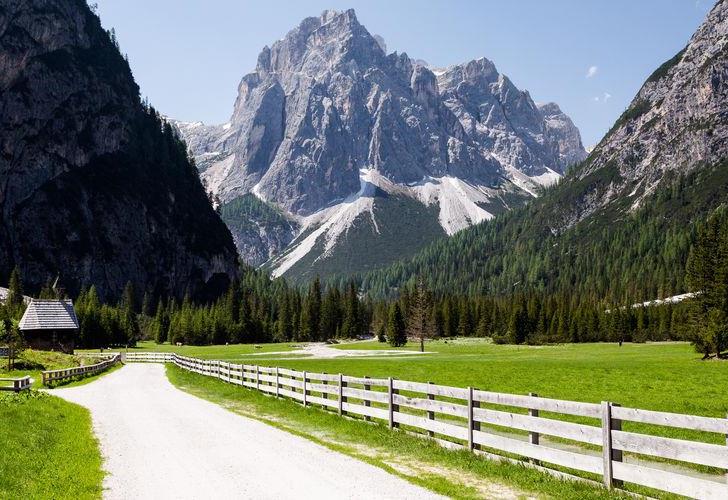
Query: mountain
x,y
95,187
620,224
365,156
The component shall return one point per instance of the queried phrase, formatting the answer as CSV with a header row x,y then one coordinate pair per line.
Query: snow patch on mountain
x,y
332,222
458,201
459,207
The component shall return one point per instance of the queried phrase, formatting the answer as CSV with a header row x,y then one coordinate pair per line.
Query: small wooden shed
x,y
50,325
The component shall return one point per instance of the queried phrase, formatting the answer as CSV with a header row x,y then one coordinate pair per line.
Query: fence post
x,y
476,424
395,407
533,437
305,392
278,390
341,394
430,414
390,392
324,382
367,387
615,425
471,422
609,454
257,378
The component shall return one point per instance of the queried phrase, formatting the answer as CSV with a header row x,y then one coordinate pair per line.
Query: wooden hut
x,y
50,325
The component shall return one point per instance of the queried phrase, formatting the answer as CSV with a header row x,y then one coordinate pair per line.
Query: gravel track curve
x,y
160,442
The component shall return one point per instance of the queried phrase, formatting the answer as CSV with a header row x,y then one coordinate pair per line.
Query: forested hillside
x,y
617,256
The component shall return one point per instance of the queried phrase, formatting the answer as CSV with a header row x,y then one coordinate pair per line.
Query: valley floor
x,y
160,442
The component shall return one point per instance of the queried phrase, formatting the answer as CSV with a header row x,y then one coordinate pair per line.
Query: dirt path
x,y
160,442
320,350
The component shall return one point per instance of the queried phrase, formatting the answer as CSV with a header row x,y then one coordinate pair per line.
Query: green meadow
x,y
48,449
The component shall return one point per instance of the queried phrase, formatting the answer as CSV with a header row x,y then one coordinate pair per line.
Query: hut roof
x,y
43,314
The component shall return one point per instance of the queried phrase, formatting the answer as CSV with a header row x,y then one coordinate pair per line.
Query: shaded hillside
x,y
95,187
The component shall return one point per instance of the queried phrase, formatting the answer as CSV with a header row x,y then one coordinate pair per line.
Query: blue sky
x,y
590,57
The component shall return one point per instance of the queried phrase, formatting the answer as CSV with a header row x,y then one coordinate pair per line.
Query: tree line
x,y
257,309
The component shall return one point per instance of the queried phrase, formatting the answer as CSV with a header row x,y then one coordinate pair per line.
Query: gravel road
x,y
160,442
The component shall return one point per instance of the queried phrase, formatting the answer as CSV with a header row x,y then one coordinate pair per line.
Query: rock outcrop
x,y
677,122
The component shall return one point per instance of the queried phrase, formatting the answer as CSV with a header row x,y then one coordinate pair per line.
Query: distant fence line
x,y
461,416
64,374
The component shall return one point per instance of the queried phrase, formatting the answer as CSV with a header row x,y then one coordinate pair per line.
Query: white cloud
x,y
602,98
591,71
596,98
607,96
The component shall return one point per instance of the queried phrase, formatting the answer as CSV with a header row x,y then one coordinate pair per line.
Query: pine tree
x,y
331,314
707,276
420,324
396,330
161,321
15,302
129,320
351,324
311,315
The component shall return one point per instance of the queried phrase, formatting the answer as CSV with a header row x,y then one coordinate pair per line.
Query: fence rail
x,y
497,423
148,357
51,376
16,384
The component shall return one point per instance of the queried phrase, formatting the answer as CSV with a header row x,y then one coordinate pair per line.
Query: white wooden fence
x,y
16,384
52,376
147,357
490,422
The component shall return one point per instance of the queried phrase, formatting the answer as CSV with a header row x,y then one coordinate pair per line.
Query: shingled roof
x,y
42,314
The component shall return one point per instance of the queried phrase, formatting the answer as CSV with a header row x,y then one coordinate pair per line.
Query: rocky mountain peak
x,y
328,116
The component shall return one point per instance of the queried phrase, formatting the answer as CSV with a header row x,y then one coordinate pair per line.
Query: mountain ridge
x,y
327,111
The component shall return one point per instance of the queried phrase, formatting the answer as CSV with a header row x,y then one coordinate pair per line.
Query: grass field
x,y
656,376
456,474
48,450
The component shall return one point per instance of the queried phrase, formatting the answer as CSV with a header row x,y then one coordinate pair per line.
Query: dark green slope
x,y
403,226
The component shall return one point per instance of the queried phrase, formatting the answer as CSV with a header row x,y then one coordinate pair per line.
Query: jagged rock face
x,y
327,104
506,123
93,190
562,135
676,123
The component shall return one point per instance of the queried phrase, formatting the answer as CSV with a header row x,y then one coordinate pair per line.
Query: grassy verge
x,y
48,449
34,362
83,380
457,474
